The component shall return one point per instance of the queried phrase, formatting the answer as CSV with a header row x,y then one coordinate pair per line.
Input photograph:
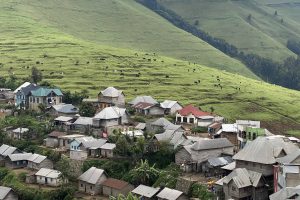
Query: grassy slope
x,y
23,42
125,24
263,35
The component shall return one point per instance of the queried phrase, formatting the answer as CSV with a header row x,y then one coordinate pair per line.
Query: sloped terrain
x,y
252,26
123,24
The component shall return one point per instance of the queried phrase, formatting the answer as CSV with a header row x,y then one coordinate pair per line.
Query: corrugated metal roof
x,y
42,92
63,119
10,150
265,150
3,148
115,183
220,161
21,130
108,146
22,86
248,123
49,173
161,122
168,104
230,166
169,194
141,126
286,193
37,158
84,121
56,134
90,142
145,99
4,192
111,92
145,191
243,178
66,108
19,156
212,144
92,175
110,113
289,158
230,128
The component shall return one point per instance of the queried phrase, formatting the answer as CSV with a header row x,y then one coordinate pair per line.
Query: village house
x,y
63,110
7,193
91,181
213,166
49,177
111,97
6,150
192,157
52,139
110,116
194,116
214,128
45,96
114,187
140,126
64,123
252,158
6,96
143,99
107,150
148,109
171,194
83,124
18,160
145,192
244,184
170,107
37,161
65,140
287,171
22,95
158,126
229,131
18,133
286,193
83,147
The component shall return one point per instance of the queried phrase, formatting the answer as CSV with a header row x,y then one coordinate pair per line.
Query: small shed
x,y
107,150
49,177
114,187
37,161
91,181
171,194
145,192
52,139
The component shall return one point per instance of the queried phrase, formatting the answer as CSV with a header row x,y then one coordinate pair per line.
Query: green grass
x,y
121,24
24,42
264,35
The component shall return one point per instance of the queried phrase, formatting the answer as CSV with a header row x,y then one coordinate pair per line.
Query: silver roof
x,y
66,108
63,119
3,148
220,161
161,122
111,92
265,150
21,130
37,158
169,194
286,193
289,158
211,144
145,191
6,150
168,104
243,178
230,166
176,138
109,146
141,126
145,99
22,86
19,156
110,113
4,192
92,175
49,173
84,121
90,142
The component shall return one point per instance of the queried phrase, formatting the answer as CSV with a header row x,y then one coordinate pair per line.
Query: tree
x,y
87,110
143,173
64,167
36,75
130,196
201,192
122,146
212,109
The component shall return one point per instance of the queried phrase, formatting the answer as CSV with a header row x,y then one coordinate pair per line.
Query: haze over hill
x,y
73,62
259,27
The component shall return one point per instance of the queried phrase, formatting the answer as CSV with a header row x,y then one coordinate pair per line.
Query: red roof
x,y
115,183
190,109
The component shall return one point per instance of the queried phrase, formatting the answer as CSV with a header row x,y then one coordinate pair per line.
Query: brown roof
x,y
56,134
215,125
115,183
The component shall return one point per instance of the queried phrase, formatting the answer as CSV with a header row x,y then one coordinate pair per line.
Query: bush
x,y
199,129
22,176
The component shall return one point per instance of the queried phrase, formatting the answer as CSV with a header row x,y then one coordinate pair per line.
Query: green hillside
x,y
122,24
263,33
74,64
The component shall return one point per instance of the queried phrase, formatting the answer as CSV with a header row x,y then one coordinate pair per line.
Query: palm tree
x,y
143,173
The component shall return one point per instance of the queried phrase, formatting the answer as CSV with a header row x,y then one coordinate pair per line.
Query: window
x,y
184,119
91,187
33,100
81,185
178,119
40,178
51,179
249,135
191,120
37,100
233,188
254,136
253,164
